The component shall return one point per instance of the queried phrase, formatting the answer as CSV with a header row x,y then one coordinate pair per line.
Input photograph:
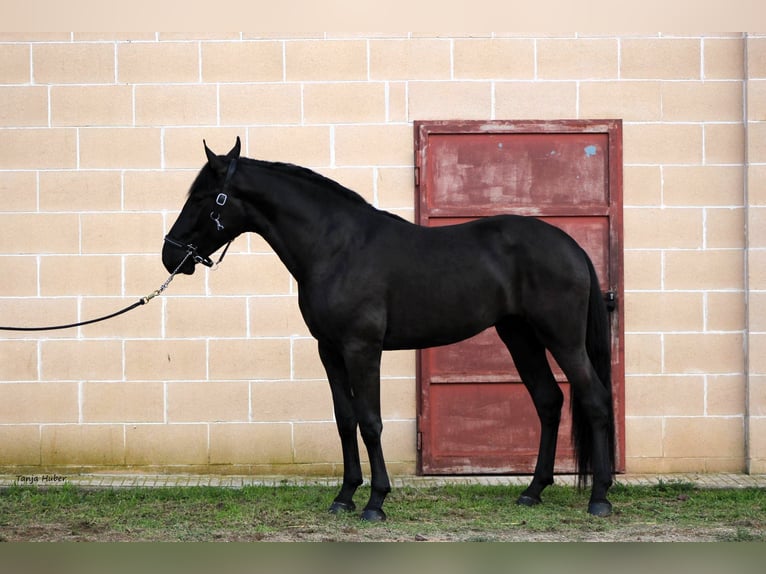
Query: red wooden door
x,y
474,415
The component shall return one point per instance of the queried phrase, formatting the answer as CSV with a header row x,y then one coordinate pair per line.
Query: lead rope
x,y
141,301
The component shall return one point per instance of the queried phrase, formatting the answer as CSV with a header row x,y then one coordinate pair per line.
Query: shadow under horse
x,y
370,281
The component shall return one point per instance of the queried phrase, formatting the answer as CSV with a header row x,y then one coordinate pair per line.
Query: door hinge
x,y
420,441
610,298
417,176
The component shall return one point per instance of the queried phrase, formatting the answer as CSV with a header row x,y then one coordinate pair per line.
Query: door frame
x,y
613,211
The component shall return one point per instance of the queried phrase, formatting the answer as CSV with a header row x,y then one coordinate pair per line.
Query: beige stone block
x,y
398,364
756,100
15,58
725,311
38,233
724,59
480,59
315,442
142,322
77,63
643,353
206,317
663,59
18,361
756,226
577,59
92,445
21,445
237,443
663,228
250,274
398,399
724,143
121,233
757,353
439,100
38,148
156,62
160,105
165,360
80,275
323,60
38,312
306,362
757,269
643,270
395,187
662,143
631,101
217,401
154,190
120,148
706,353
249,359
397,101
277,316
80,191
92,106
725,228
38,403
643,438
20,276
757,311
665,396
702,101
382,145
725,395
303,145
166,444
128,402
652,311
23,106
757,444
114,36
344,103
642,186
706,269
415,59
307,400
260,104
69,360
756,145
704,437
19,191
183,147
242,62
535,100
756,57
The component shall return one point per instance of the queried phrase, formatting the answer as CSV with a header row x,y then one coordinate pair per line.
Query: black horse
x,y
370,281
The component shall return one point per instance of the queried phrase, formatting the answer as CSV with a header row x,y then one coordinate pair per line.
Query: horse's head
x,y
210,218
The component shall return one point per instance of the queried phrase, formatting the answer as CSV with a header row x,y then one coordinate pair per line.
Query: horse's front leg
x,y
363,368
347,425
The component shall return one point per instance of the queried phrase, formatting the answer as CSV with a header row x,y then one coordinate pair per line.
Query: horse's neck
x,y
299,220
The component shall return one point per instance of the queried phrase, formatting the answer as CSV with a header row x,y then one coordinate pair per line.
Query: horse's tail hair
x,y
598,347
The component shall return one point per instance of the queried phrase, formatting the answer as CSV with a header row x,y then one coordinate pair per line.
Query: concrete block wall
x,y
101,136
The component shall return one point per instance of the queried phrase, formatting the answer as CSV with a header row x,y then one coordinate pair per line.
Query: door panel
x,y
475,415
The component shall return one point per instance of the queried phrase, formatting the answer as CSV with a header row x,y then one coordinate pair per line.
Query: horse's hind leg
x,y
529,357
347,425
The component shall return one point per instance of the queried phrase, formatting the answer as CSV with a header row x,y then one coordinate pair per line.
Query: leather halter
x,y
220,200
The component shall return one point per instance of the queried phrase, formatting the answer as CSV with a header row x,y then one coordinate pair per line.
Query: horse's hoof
x,y
601,508
373,515
338,507
526,500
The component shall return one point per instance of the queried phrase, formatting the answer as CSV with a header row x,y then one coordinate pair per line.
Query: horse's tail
x,y
598,347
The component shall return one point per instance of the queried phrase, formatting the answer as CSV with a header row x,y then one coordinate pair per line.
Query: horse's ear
x,y
215,162
234,153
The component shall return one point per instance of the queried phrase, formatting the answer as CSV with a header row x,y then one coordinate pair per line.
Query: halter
x,y
220,200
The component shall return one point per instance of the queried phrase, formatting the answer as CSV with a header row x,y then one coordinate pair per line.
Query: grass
x,y
672,511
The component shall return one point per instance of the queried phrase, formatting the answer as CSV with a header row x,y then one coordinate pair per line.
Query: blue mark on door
x,y
590,150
